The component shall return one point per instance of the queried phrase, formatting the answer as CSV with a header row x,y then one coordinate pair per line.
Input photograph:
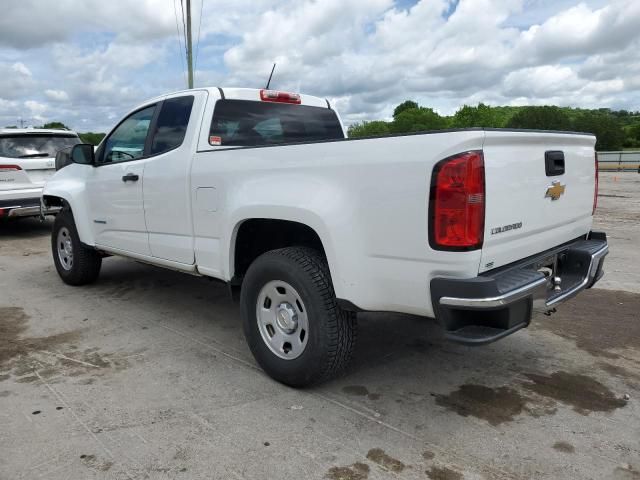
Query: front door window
x,y
127,141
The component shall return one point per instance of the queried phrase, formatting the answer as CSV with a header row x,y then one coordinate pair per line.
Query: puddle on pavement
x,y
357,471
377,455
564,447
95,463
499,405
13,323
443,473
50,356
495,405
582,320
428,455
583,393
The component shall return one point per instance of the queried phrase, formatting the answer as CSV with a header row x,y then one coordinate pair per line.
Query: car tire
x,y
294,283
76,264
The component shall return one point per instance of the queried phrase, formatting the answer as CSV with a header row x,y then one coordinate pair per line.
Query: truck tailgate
x,y
531,208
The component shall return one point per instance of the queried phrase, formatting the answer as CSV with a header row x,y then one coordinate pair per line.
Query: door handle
x,y
130,177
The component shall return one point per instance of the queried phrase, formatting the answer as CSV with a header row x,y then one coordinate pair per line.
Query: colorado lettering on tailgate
x,y
506,228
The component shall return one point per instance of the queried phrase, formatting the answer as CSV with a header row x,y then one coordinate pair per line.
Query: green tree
x,y
480,116
91,137
56,126
406,105
634,133
604,126
541,118
368,129
416,120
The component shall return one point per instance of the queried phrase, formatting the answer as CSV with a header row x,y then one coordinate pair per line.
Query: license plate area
x,y
563,270
550,268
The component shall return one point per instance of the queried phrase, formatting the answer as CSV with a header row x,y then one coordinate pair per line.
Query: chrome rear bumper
x,y
498,303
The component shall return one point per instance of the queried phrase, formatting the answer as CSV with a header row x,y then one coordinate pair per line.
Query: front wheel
x,y
293,325
76,264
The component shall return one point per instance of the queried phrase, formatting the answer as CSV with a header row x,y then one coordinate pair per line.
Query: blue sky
x,y
87,63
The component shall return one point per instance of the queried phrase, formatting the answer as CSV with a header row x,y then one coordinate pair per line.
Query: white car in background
x,y
27,160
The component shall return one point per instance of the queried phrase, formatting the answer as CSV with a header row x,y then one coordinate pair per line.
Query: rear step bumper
x,y
498,303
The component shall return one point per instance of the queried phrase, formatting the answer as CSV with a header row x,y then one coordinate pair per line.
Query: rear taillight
x,y
9,168
280,97
457,202
595,190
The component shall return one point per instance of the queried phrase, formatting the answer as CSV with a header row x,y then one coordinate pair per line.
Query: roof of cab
x,y
248,94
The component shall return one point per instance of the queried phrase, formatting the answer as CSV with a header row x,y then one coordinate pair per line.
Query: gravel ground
x,y
146,375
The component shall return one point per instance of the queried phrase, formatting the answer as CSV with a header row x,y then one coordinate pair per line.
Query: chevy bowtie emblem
x,y
555,190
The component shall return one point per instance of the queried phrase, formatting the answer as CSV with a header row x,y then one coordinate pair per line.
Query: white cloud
x,y
36,108
15,80
21,69
57,95
89,62
32,23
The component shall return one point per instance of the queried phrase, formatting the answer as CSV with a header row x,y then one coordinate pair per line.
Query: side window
x,y
172,124
127,141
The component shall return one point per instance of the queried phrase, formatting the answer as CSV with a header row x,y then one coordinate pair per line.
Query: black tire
x,y
86,261
332,331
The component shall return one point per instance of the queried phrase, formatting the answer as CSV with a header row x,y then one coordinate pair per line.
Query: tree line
x,y
614,129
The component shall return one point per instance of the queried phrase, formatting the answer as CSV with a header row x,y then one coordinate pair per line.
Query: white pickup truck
x,y
476,228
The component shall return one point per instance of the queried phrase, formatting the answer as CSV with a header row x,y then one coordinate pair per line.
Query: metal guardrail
x,y
621,161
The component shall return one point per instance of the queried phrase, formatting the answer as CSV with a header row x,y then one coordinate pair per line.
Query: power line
x,y
175,12
198,41
186,32
184,29
189,46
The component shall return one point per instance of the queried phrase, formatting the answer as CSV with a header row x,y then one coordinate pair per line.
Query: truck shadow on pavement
x,y
404,378
24,228
404,359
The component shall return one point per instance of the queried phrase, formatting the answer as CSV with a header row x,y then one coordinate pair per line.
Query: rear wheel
x,y
75,263
293,325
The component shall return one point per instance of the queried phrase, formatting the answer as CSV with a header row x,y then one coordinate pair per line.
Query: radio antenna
x,y
271,75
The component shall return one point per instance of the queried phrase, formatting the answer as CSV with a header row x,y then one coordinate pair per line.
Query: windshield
x,y
35,145
248,123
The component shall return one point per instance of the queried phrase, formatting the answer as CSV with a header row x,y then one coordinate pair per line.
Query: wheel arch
x,y
254,235
56,202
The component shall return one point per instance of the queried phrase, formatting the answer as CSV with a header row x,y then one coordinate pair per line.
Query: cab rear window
x,y
248,123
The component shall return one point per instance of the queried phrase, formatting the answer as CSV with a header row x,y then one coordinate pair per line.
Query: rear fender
x,y
291,214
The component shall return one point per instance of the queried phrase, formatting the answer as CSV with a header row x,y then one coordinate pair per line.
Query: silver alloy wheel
x,y
65,248
282,319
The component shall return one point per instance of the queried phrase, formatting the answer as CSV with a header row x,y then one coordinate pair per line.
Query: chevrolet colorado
x,y
477,228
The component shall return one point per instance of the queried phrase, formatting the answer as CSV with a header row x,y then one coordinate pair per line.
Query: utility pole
x,y
189,46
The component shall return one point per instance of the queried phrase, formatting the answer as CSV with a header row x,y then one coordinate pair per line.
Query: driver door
x,y
115,186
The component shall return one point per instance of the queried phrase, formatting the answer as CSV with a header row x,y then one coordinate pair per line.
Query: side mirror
x,y
63,158
83,154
